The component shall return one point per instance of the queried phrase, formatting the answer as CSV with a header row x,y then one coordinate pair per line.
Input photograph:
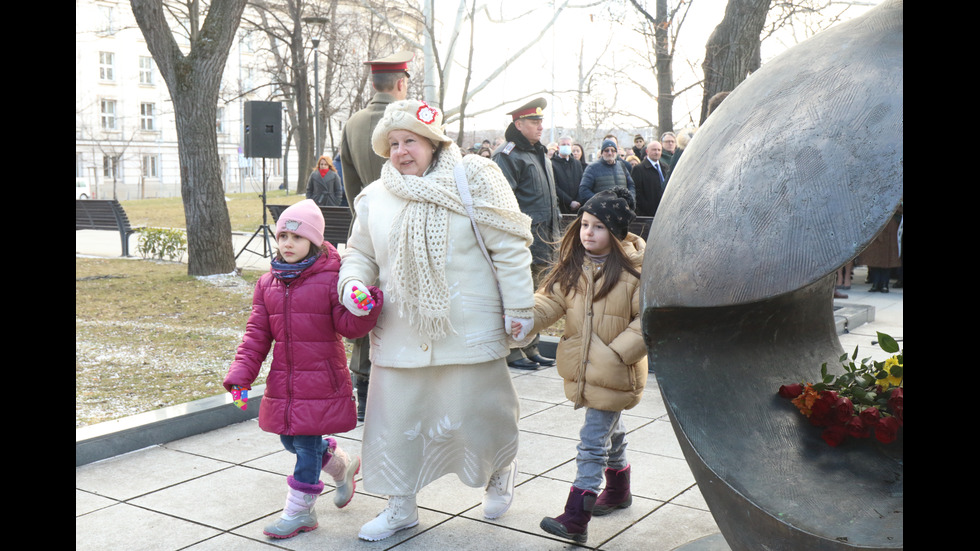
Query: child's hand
x,y
349,298
240,394
518,327
364,300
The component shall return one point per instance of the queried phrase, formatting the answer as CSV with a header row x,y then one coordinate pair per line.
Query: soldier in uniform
x,y
360,166
523,160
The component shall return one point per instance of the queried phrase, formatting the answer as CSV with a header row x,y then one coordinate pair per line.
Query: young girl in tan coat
x,y
596,285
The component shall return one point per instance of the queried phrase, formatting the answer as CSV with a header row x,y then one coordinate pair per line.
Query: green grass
x,y
244,210
148,336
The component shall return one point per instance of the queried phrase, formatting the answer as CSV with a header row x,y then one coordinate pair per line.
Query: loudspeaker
x,y
263,129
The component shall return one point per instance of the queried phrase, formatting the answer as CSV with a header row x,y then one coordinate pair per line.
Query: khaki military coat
x,y
359,163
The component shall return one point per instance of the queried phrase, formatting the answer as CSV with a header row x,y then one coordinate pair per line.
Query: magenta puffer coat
x,y
308,390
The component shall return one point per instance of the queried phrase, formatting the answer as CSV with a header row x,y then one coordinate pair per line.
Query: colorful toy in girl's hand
x,y
240,394
364,300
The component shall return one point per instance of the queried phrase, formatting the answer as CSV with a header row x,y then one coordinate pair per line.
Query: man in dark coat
x,y
568,175
650,178
668,142
525,164
360,166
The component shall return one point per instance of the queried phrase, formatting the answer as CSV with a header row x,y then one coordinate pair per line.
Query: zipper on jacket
x,y
289,359
589,269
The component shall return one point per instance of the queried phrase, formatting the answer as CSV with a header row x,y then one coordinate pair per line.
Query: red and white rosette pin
x,y
426,114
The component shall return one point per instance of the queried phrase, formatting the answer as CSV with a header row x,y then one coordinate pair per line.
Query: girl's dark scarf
x,y
286,272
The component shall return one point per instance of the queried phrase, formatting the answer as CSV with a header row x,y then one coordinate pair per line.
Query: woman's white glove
x,y
349,301
518,333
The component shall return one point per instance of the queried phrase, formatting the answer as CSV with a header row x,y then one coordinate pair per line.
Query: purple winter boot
x,y
573,524
616,494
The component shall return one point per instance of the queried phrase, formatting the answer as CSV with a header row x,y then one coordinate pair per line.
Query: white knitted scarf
x,y
419,234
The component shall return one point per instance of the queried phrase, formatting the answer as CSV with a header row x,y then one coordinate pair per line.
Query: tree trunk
x,y
733,50
193,82
209,244
304,118
665,76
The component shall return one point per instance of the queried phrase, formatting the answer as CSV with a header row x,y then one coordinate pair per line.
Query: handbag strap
x,y
464,194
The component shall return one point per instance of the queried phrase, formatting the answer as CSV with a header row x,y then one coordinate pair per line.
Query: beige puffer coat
x,y
601,356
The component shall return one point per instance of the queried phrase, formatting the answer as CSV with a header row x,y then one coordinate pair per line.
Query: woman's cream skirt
x,y
423,423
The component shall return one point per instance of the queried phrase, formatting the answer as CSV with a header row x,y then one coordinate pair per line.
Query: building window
x,y
150,166
146,117
106,20
146,70
106,62
108,114
109,166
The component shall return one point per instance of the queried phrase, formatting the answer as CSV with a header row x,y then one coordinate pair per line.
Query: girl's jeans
x,y
602,444
309,452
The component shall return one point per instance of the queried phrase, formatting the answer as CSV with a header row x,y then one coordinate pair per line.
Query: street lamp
x,y
314,27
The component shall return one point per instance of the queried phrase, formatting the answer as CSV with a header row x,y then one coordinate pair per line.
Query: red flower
x,y
823,409
791,391
834,435
843,410
887,429
896,404
856,428
870,416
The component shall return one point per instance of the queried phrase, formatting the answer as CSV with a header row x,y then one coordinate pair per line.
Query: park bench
x,y
336,221
103,214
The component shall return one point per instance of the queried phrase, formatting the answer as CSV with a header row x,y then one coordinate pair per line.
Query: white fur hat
x,y
412,115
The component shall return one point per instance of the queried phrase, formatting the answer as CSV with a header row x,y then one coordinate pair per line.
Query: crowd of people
x,y
455,261
644,168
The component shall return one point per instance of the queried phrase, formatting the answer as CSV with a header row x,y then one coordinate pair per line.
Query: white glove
x,y
525,323
349,302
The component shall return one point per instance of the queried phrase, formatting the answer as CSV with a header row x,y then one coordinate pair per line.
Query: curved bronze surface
x,y
791,177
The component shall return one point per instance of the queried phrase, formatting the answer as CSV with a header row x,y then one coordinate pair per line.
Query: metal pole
x,y
316,97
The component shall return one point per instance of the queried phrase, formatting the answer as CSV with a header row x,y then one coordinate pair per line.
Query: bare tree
x,y
193,80
734,48
282,23
439,66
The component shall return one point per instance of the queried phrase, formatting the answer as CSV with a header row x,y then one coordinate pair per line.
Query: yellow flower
x,y
891,380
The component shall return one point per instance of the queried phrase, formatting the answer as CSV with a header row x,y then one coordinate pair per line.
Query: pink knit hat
x,y
303,219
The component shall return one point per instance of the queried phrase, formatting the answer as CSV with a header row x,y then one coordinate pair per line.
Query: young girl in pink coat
x,y
308,391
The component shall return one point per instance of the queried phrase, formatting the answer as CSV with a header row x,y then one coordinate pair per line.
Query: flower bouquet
x,y
865,400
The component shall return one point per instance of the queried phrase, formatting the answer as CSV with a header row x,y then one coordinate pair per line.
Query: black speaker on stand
x,y
263,138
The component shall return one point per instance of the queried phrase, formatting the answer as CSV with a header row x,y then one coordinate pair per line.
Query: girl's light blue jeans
x,y
602,444
309,452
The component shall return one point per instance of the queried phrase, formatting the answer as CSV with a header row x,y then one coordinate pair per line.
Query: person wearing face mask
x,y
568,176
606,173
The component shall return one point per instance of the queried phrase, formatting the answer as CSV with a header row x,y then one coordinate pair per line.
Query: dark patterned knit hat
x,y
614,208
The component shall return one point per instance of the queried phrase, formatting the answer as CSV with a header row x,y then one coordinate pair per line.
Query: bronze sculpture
x,y
790,178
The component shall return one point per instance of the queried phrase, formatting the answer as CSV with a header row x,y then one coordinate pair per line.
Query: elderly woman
x,y
441,400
